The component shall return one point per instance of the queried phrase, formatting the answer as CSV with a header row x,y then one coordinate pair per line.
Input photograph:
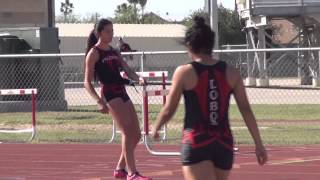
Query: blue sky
x,y
176,9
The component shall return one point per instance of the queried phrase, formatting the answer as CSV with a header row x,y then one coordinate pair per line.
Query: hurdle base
x,y
316,82
250,81
262,82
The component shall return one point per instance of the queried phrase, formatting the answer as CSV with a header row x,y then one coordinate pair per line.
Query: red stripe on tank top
x,y
203,95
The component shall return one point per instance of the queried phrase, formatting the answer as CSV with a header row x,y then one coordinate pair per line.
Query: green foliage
x,y
188,20
91,18
133,1
129,13
279,124
74,18
67,8
126,14
70,18
229,25
142,3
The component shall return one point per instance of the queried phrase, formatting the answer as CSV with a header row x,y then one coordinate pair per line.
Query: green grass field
x,y
280,125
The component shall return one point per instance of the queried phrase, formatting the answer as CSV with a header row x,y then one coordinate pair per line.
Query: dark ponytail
x,y
199,38
92,40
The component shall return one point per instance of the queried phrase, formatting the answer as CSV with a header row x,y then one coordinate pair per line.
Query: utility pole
x,y
51,13
211,8
66,9
214,21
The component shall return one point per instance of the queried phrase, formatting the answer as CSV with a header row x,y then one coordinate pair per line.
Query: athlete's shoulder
x,y
233,75
231,70
182,74
93,53
184,69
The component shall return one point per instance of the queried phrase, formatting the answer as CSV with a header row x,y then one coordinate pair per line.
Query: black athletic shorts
x,y
115,92
221,156
110,96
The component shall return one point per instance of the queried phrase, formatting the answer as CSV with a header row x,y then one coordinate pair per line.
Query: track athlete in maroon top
x,y
104,63
207,84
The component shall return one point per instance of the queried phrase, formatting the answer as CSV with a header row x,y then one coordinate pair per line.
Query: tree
x,y
228,24
230,27
135,10
135,2
142,5
66,8
72,18
188,20
91,18
125,14
129,13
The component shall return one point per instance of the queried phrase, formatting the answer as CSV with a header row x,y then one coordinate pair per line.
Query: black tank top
x,y
206,106
107,68
107,71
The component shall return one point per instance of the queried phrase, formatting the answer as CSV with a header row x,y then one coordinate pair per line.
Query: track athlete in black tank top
x,y
107,70
104,63
206,124
206,84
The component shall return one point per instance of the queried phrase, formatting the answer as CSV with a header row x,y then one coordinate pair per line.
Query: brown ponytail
x,y
92,40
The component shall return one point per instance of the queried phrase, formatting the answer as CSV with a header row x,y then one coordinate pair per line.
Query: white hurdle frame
x,y
146,94
33,93
151,74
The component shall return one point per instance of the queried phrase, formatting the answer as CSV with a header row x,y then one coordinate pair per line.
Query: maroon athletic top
x,y
107,71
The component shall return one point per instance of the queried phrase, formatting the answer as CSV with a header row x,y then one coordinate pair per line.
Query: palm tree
x,y
142,3
66,9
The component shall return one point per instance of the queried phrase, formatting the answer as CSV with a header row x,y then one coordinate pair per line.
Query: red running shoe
x,y
120,173
137,176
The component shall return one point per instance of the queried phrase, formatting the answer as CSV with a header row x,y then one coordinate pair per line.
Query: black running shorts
x,y
221,156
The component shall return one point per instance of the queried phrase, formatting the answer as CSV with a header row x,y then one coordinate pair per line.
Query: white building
x,y
141,37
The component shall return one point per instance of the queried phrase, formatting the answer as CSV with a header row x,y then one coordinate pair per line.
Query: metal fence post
x,y
142,61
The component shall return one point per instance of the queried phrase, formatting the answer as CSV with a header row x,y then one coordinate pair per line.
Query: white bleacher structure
x,y
304,14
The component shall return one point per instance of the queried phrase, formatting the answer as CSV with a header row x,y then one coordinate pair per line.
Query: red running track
x,y
96,162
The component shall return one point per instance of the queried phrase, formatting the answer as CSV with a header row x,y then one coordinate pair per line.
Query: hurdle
x,y
146,95
32,92
152,74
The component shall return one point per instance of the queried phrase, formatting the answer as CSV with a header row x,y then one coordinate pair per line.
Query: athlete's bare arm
x,y
240,96
131,74
173,99
91,58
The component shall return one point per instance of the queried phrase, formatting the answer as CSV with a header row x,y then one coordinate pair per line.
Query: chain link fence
x,y
287,112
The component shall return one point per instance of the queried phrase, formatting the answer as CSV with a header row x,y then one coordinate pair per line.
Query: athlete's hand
x,y
155,135
102,107
261,154
142,81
